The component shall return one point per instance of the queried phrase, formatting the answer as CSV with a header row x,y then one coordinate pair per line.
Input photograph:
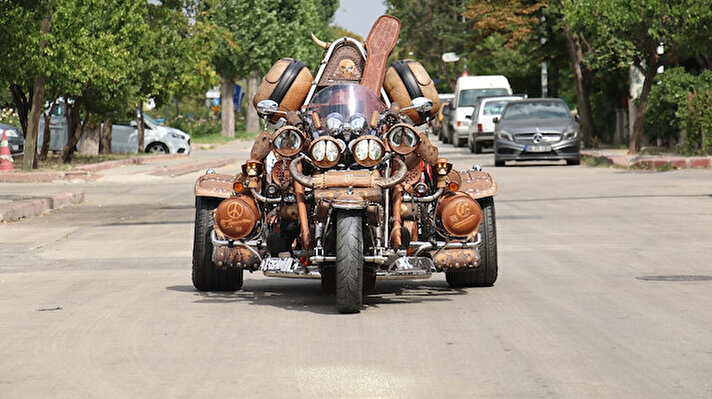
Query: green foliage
x,y
252,35
698,121
429,29
668,100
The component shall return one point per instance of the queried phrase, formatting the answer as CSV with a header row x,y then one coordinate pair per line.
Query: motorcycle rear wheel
x,y
349,262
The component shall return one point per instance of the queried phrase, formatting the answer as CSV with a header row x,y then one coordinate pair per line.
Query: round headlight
x,y
288,141
318,151
325,151
361,150
374,150
332,151
368,150
403,139
334,122
358,123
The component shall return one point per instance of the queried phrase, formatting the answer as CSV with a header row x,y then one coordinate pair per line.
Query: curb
x,y
652,162
178,170
83,172
21,209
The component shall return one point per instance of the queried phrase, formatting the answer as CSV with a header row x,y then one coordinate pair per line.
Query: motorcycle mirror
x,y
422,104
267,107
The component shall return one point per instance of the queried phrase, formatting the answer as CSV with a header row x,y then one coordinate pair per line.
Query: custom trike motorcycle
x,y
343,186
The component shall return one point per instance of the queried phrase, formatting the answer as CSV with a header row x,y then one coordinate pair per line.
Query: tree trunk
x,y
74,131
90,139
29,161
227,93
636,136
22,103
140,127
47,131
252,120
105,146
582,81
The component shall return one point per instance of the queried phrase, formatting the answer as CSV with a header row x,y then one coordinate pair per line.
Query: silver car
x,y
124,135
537,129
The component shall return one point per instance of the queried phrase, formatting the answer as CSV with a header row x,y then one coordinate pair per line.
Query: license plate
x,y
537,148
15,147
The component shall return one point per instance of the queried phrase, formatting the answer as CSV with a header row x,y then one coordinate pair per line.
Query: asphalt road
x,y
604,291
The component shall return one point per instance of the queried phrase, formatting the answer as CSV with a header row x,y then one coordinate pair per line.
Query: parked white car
x,y
481,128
124,135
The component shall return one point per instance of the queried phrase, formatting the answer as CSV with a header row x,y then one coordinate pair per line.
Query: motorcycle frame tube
x,y
302,212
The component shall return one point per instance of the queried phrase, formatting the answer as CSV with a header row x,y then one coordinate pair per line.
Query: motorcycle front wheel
x,y
349,262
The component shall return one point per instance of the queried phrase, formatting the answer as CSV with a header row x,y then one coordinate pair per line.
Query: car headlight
x,y
506,135
177,136
403,139
368,150
570,134
326,151
288,141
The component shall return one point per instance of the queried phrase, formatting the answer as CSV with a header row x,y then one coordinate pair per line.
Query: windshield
x,y
536,110
494,107
347,100
469,97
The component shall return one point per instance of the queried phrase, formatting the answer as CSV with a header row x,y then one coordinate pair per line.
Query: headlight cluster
x,y
506,136
368,150
288,141
403,139
570,134
326,151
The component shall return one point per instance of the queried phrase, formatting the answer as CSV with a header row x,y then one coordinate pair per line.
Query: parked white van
x,y
467,91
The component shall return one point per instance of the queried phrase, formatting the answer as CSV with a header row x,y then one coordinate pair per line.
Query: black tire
x,y
497,162
573,161
157,148
349,262
478,147
460,143
486,273
207,276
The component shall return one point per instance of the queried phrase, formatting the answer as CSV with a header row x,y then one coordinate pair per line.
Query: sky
x,y
359,15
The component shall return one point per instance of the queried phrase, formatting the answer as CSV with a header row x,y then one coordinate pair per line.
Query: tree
x,y
630,31
430,28
252,35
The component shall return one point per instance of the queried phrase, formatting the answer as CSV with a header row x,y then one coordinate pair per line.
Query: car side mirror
x,y
577,118
495,119
133,123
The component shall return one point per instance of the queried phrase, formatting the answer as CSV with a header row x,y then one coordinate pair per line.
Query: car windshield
x,y
150,121
494,107
469,97
536,110
346,100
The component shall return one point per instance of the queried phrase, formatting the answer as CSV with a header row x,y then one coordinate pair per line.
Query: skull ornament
x,y
347,69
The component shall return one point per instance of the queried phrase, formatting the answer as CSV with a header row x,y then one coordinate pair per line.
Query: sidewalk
x,y
20,198
621,158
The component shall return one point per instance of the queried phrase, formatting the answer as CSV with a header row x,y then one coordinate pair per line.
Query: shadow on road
x,y
308,296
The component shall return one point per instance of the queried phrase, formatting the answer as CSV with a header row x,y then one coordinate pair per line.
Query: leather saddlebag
x,y
406,80
287,83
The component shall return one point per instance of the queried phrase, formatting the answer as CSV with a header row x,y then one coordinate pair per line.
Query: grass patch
x,y
217,138
52,163
666,168
596,162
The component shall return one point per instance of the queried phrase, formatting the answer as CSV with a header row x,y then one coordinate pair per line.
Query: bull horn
x,y
318,42
305,181
399,176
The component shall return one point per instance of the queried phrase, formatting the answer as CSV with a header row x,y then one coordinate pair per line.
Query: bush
x,y
668,104
698,122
